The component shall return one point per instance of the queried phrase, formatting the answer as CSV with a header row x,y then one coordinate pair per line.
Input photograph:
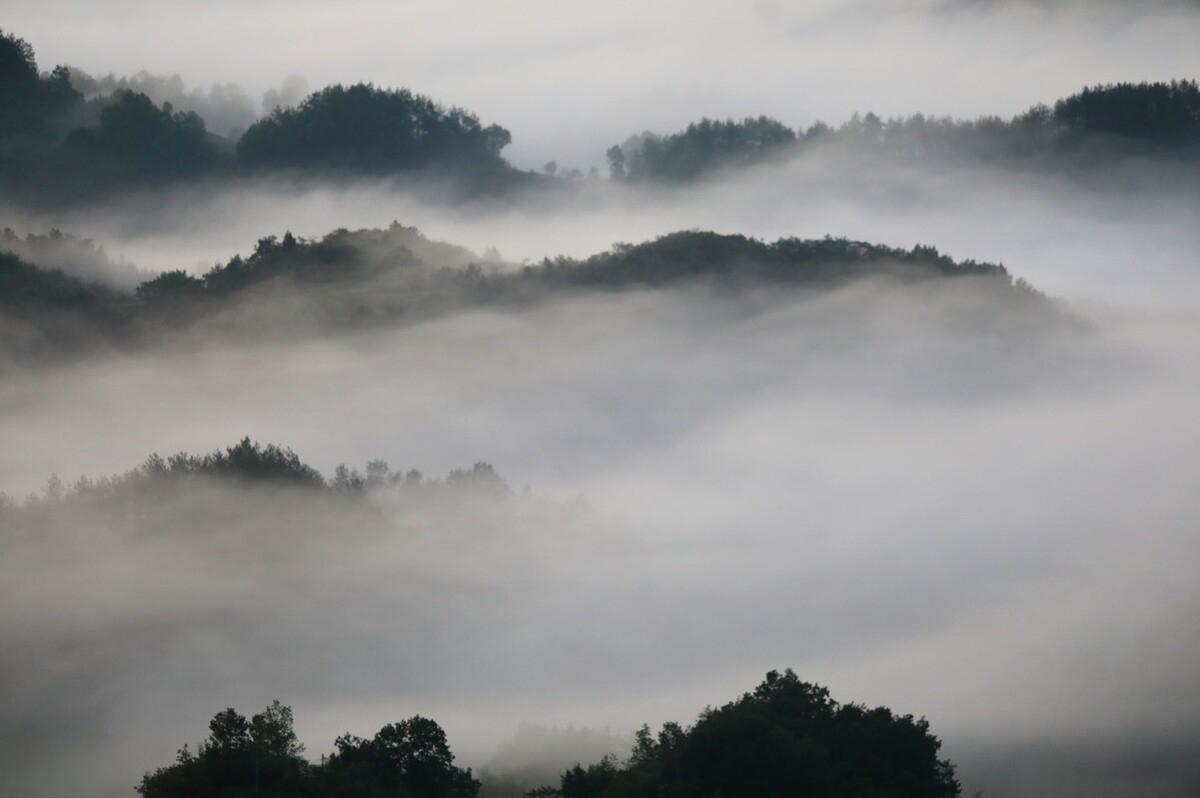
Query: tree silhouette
x,y
786,737
364,129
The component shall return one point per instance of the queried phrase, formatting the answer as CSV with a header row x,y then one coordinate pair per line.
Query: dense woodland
x,y
1099,123
786,737
63,140
56,146
356,280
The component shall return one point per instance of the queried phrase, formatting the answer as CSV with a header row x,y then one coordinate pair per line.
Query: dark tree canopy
x,y
262,757
1160,119
705,146
240,757
1166,113
139,142
786,738
364,129
56,147
409,758
354,280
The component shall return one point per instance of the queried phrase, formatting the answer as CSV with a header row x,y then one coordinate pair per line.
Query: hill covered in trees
x,y
1160,119
786,737
368,278
56,146
64,140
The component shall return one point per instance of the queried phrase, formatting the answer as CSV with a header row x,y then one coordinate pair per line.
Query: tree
x,y
411,757
260,757
786,737
228,731
271,732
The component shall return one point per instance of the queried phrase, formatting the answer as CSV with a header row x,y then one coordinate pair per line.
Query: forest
x,y
786,737
1078,133
368,278
594,400
63,141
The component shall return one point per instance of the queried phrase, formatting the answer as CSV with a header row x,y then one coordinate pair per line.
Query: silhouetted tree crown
x,y
785,738
1160,118
366,129
703,147
353,280
57,147
137,141
261,756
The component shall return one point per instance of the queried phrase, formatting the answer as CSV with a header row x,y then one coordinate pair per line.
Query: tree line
x,y
56,146
786,737
246,463
60,141
359,279
1148,118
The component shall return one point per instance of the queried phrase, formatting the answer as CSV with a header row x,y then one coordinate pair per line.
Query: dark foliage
x,y
261,756
785,738
55,147
704,146
409,758
45,312
1152,119
354,280
364,129
1164,113
246,464
137,142
734,259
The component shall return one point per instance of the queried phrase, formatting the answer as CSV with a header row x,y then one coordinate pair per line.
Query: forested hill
x,y
1099,123
355,280
57,147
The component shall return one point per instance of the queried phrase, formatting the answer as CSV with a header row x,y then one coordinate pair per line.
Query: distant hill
x,y
351,280
64,141
1160,119
58,147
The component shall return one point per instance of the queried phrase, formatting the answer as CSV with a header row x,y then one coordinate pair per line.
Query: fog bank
x,y
905,494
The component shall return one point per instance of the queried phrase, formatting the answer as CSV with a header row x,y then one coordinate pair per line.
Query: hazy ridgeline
x,y
801,439
68,139
372,279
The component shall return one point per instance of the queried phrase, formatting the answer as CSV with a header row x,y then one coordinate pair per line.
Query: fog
x,y
909,494
570,81
1124,237
919,494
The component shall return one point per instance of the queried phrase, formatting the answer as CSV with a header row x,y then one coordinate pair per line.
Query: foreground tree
x,y
262,757
786,738
409,758
259,756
